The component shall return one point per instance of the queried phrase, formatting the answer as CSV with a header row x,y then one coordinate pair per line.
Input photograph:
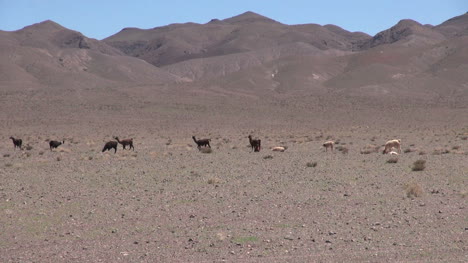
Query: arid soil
x,y
168,202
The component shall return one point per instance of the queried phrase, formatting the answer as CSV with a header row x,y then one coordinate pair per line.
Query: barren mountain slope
x,y
243,33
50,55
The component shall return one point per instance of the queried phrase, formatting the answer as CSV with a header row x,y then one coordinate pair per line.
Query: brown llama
x,y
110,145
55,144
17,143
328,144
256,144
126,142
202,142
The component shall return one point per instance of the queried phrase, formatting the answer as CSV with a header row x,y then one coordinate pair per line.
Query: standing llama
x,y
17,142
255,144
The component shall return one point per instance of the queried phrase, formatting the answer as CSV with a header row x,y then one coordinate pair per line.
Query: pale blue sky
x,y
102,18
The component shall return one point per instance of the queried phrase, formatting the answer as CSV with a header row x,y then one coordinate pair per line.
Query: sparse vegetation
x,y
6,155
440,151
419,165
392,160
408,150
268,157
8,165
413,190
311,164
28,147
368,149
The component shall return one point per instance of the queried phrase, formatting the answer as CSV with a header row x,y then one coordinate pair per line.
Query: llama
x,y
17,142
126,142
109,145
392,144
328,144
55,144
255,144
202,142
278,149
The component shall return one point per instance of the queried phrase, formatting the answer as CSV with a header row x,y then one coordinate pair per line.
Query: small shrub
x,y
90,158
342,149
440,151
464,138
392,160
345,150
213,181
8,165
59,159
419,165
268,157
28,147
41,153
311,164
422,153
6,155
456,147
370,149
413,190
408,150
206,150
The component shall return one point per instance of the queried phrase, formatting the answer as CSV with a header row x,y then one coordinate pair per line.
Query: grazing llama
x,y
110,145
392,144
328,144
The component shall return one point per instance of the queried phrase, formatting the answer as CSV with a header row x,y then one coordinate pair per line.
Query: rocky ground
x,y
168,202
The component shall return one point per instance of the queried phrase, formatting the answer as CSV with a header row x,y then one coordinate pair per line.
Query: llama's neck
x,y
195,140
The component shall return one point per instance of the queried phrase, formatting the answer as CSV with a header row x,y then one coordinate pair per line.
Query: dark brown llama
x,y
17,142
202,142
55,144
110,145
255,144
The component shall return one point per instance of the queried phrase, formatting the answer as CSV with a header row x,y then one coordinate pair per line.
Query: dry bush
x,y
342,149
440,151
8,165
268,157
413,190
464,138
392,160
6,155
41,153
408,150
311,164
28,147
456,147
422,153
213,181
368,149
419,165
206,150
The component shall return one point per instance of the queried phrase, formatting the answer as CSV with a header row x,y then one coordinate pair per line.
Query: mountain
x,y
51,55
247,32
240,61
407,32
